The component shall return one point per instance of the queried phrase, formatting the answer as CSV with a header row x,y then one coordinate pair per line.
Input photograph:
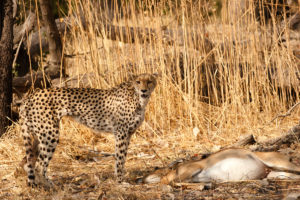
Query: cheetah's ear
x,y
156,75
131,76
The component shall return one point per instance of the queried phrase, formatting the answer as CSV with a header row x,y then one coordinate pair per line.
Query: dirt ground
x,y
80,172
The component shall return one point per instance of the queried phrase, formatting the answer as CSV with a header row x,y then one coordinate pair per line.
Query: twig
x,y
17,52
105,154
288,113
164,163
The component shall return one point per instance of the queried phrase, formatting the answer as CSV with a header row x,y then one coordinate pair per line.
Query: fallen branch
x,y
274,144
36,80
167,36
122,34
243,141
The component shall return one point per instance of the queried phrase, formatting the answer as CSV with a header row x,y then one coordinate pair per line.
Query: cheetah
x,y
119,110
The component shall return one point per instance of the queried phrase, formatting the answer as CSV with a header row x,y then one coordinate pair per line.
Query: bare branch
x,y
288,113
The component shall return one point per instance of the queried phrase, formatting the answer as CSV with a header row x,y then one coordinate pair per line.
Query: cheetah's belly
x,y
110,121
96,124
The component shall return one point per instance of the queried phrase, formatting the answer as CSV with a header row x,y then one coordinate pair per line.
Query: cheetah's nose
x,y
144,91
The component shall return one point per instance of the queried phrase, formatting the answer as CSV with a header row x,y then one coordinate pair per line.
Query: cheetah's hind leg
x,y
31,154
46,148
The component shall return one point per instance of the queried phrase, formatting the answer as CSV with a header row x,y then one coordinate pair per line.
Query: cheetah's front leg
x,y
122,143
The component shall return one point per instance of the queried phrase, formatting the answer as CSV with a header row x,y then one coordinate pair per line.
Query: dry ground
x,y
80,171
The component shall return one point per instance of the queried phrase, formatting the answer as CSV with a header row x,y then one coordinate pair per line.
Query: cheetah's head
x,y
144,84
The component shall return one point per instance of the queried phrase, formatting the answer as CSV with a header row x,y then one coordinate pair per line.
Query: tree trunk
x,y
55,45
6,58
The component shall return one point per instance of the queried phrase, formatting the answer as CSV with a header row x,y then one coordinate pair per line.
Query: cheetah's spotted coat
x,y
119,110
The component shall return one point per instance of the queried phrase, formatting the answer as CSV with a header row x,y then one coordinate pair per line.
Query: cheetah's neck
x,y
143,102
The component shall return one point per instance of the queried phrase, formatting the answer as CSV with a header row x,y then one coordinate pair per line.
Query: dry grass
x,y
175,109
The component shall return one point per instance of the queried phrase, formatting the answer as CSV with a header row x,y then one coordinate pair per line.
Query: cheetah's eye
x,y
138,82
149,82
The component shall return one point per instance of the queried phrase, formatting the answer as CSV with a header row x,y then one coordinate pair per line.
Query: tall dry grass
x,y
234,103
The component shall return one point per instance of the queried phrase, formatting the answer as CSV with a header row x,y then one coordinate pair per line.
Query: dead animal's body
x,y
227,165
